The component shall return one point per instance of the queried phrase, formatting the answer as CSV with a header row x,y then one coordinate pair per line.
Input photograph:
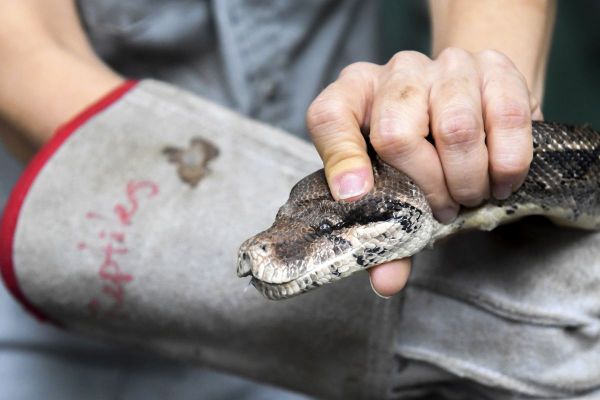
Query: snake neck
x,y
484,218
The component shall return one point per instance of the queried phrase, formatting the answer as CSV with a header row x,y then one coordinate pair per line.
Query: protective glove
x,y
126,227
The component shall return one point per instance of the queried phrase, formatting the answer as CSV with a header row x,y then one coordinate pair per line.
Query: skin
x,y
46,33
478,103
476,95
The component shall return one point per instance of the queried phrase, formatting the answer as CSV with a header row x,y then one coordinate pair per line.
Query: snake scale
x,y
316,240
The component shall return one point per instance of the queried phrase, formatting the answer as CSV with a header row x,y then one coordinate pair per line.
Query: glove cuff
x,y
12,210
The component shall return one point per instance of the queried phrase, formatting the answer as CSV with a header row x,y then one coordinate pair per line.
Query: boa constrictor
x,y
316,240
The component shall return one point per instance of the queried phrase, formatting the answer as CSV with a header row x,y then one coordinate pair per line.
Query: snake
x,y
316,240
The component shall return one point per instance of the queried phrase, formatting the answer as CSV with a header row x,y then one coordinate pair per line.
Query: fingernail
x,y
447,215
351,185
502,191
376,292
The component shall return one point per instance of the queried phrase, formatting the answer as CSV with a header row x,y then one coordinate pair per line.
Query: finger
x,y
390,278
399,126
507,118
457,126
334,120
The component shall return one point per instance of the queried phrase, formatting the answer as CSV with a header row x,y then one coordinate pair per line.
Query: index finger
x,y
334,120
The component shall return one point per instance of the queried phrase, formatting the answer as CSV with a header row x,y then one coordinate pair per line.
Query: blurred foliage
x,y
573,79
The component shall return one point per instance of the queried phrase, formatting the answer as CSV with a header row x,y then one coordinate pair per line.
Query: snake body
x,y
316,240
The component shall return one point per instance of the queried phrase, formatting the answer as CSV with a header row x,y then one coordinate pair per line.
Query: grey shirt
x,y
267,59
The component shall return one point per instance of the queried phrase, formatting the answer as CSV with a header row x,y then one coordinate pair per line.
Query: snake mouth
x,y
286,290
293,277
282,276
312,280
274,291
316,277
277,282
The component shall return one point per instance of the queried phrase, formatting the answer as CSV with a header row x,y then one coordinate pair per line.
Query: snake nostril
x,y
264,247
244,267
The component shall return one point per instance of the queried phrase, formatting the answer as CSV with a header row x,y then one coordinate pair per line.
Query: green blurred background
x,y
573,79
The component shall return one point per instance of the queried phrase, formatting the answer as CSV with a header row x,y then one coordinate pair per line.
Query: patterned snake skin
x,y
316,240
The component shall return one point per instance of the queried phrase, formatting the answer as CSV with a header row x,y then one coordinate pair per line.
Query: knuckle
x,y
323,111
495,57
459,129
510,165
407,59
450,54
355,69
388,141
509,114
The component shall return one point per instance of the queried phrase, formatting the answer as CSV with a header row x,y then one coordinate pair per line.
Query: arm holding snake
x,y
478,95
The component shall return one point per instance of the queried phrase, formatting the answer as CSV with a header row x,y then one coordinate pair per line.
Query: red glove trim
x,y
12,210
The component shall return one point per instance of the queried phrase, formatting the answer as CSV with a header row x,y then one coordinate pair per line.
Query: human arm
x,y
48,72
472,98
482,25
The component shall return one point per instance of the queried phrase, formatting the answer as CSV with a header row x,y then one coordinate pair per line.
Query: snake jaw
x,y
364,246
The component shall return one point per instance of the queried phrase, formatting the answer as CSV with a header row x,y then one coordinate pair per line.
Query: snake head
x,y
316,240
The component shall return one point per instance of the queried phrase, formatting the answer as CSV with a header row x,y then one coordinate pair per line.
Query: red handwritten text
x,y
112,276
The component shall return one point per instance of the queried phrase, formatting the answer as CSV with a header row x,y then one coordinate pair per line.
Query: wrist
x,y
521,30
36,106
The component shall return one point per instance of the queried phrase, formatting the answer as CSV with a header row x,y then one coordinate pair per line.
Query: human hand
x,y
477,107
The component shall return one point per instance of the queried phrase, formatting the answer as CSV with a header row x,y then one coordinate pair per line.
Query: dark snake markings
x,y
315,240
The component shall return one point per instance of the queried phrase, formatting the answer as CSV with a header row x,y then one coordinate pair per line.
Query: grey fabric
x,y
267,59
514,310
178,250
41,362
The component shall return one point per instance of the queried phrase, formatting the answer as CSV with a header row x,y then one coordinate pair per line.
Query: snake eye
x,y
325,227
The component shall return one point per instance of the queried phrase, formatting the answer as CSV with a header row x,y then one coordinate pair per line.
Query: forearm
x,y
521,29
48,71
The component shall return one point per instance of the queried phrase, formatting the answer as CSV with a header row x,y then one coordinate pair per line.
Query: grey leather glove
x,y
126,227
